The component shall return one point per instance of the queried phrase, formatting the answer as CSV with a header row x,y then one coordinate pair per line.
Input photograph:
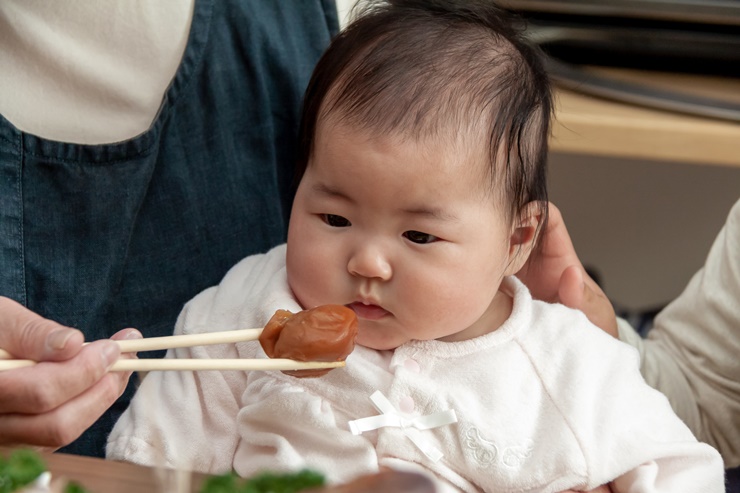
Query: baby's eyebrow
x,y
324,189
432,213
435,213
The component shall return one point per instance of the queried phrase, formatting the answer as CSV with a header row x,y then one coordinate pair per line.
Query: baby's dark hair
x,y
422,67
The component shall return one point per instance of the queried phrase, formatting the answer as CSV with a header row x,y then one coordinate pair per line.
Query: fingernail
x,y
110,352
57,340
134,334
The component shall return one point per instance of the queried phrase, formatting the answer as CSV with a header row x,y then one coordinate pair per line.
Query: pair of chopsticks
x,y
188,340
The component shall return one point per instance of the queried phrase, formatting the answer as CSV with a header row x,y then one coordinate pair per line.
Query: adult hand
x,y
50,404
555,274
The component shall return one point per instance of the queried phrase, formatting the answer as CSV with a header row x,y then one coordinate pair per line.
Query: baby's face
x,y
401,232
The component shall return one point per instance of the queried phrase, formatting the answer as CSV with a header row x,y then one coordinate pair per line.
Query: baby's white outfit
x,y
545,403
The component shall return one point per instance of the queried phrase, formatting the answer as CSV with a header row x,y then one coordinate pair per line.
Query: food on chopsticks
x,y
325,333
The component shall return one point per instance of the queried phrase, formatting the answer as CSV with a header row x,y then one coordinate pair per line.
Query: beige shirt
x,y
692,354
89,72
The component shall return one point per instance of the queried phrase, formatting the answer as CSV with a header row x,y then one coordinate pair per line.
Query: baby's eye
x,y
419,237
335,221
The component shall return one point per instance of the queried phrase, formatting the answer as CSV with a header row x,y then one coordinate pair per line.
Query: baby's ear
x,y
522,238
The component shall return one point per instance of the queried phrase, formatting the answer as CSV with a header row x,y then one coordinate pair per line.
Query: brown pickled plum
x,y
324,333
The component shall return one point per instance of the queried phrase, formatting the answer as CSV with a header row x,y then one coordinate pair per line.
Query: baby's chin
x,y
376,343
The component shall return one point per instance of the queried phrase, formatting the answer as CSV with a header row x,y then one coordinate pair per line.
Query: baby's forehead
x,y
465,152
444,136
452,111
469,137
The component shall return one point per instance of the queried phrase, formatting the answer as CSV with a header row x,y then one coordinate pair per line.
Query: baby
x,y
422,191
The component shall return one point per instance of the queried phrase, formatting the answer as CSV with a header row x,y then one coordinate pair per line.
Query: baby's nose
x,y
369,261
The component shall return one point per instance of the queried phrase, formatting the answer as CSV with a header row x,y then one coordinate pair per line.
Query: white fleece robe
x,y
545,403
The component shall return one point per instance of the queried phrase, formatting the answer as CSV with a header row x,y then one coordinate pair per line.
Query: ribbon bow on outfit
x,y
391,417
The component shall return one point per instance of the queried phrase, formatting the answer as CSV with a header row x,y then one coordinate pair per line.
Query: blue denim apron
x,y
112,236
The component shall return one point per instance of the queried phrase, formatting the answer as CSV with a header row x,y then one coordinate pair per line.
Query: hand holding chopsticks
x,y
189,340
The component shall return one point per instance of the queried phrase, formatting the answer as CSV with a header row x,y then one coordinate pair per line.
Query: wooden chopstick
x,y
188,340
197,364
183,340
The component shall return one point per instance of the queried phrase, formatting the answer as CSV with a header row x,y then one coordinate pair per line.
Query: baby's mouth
x,y
368,312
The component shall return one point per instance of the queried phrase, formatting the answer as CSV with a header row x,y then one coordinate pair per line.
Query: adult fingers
x,y
123,377
25,334
544,268
600,310
63,424
571,290
577,290
556,241
45,386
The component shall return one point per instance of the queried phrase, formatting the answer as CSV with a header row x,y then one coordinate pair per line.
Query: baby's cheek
x,y
299,274
452,307
312,281
308,293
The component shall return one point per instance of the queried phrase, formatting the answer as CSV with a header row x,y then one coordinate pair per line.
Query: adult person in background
x,y
145,147
691,353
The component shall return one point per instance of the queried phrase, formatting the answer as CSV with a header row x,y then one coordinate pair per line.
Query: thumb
x,y
578,291
572,288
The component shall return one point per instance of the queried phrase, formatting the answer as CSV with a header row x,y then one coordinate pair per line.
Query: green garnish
x,y
73,487
267,482
21,468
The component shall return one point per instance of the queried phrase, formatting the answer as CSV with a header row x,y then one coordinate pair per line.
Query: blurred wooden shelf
x,y
595,126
